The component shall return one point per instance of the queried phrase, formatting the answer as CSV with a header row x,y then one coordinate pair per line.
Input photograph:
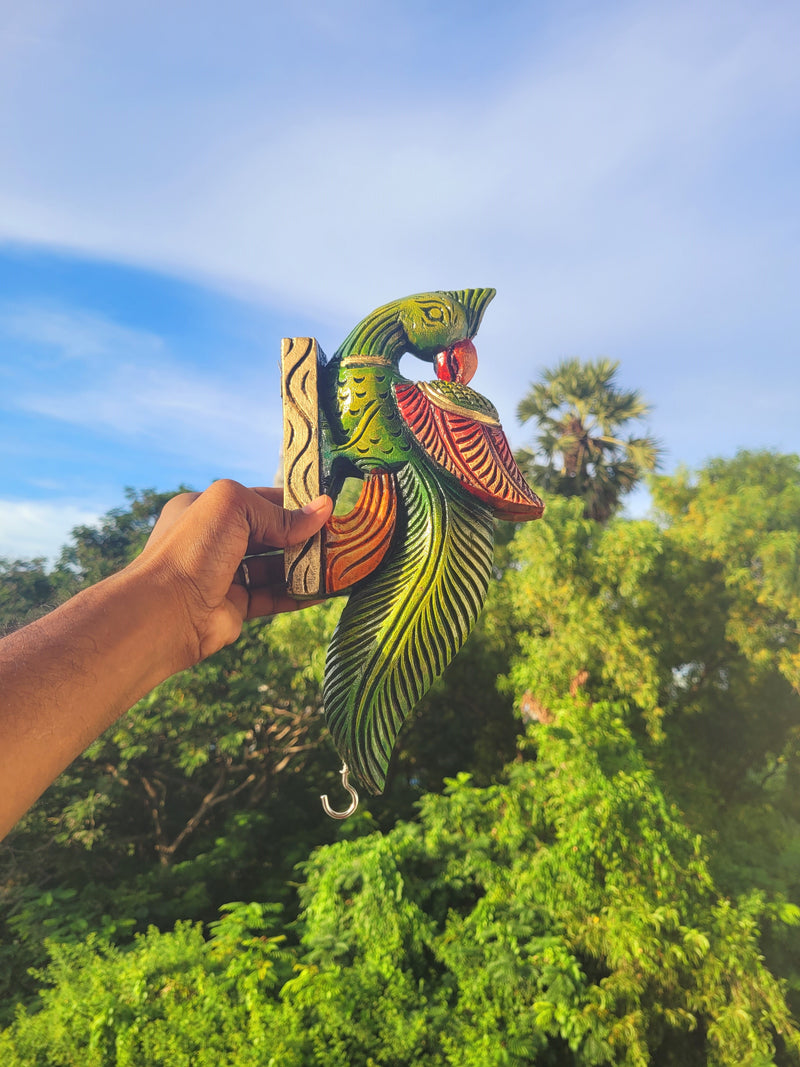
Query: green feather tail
x,y
403,624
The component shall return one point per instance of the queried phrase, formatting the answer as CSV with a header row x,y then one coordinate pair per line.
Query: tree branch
x,y
213,797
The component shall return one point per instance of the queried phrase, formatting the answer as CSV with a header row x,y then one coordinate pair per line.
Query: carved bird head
x,y
436,327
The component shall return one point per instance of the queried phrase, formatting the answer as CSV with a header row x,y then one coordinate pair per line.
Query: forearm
x,y
67,677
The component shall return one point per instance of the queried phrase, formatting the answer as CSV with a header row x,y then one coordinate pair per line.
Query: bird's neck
x,y
378,335
361,359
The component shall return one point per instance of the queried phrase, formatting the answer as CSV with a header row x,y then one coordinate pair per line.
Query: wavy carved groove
x,y
302,467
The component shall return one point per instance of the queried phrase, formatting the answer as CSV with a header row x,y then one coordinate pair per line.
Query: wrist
x,y
159,618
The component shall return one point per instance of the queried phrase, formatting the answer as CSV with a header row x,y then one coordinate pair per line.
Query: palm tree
x,y
579,449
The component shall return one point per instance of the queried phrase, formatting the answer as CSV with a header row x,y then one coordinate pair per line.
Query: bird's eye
x,y
434,313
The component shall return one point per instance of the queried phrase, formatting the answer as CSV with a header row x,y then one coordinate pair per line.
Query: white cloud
x,y
79,335
620,170
586,155
127,384
31,528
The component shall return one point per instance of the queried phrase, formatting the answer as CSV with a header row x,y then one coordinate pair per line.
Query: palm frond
x,y
581,448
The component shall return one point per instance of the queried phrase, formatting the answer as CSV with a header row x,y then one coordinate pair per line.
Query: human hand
x,y
198,544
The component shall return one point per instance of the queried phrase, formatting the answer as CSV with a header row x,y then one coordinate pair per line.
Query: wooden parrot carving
x,y
414,555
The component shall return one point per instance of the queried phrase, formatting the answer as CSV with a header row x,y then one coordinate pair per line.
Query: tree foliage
x,y
625,892
27,590
581,414
566,917
95,552
174,998
212,782
690,633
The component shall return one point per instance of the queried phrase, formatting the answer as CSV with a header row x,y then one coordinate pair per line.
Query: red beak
x,y
457,363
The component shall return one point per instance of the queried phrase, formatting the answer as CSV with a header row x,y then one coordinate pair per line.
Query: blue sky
x,y
183,184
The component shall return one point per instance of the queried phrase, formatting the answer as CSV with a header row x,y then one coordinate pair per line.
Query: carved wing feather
x,y
458,429
356,543
404,623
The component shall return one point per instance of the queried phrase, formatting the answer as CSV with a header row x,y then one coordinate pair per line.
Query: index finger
x,y
272,493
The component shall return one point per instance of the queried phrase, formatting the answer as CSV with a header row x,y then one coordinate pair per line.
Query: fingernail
x,y
313,506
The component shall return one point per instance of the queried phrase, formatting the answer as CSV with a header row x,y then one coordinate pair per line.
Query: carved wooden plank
x,y
302,466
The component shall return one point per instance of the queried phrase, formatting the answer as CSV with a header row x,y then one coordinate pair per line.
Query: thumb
x,y
275,527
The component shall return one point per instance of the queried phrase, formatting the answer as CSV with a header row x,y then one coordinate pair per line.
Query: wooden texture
x,y
302,466
403,623
414,556
469,444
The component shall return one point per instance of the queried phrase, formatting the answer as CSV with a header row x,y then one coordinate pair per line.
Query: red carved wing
x,y
469,443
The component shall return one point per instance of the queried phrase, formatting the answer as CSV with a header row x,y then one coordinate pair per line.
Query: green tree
x,y
693,624
95,552
27,590
580,451
212,780
567,917
737,734
627,895
176,998
698,636
743,515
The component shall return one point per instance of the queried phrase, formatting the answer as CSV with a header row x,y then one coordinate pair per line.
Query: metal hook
x,y
345,772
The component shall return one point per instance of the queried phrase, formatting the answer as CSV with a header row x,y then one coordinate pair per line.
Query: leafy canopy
x,y
580,449
626,893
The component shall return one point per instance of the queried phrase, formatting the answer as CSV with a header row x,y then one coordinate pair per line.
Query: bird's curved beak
x,y
457,363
